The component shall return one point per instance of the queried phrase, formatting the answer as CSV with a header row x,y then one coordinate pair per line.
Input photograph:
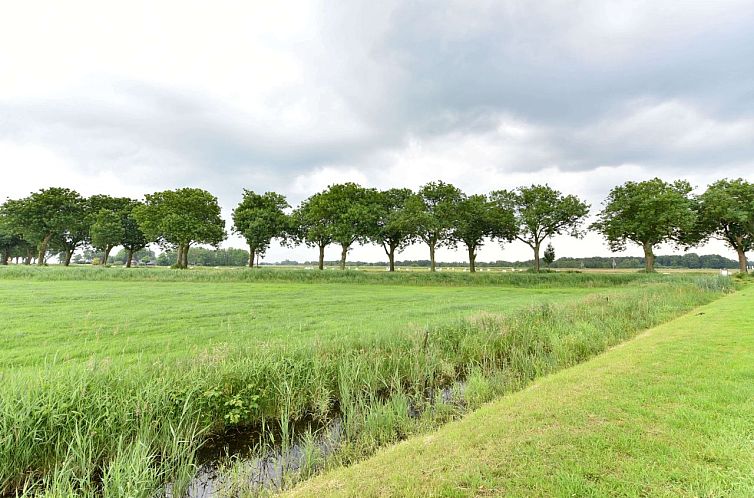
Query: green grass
x,y
112,381
129,322
670,413
330,276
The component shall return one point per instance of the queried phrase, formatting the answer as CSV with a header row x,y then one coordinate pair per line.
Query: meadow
x,y
113,380
667,414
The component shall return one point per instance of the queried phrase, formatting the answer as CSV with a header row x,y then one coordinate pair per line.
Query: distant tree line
x,y
648,213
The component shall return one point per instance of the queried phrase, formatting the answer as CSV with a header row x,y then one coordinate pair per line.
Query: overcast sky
x,y
133,97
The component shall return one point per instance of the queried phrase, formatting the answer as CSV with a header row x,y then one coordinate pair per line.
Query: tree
x,y
647,213
45,215
393,228
106,214
312,224
180,218
549,255
134,239
354,209
106,232
542,212
477,218
9,240
259,219
726,212
432,213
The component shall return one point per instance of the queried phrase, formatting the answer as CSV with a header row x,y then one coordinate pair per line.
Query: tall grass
x,y
514,279
127,430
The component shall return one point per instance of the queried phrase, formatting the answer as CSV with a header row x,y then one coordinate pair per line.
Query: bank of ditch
x,y
102,429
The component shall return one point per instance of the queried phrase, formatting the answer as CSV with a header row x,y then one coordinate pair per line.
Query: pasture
x,y
667,414
114,381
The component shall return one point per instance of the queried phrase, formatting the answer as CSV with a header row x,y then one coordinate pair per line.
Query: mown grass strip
x,y
670,413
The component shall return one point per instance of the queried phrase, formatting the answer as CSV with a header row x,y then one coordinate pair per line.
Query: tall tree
x,y
433,213
134,239
43,216
9,239
542,212
478,218
77,231
647,213
393,229
354,215
259,218
107,216
179,218
726,212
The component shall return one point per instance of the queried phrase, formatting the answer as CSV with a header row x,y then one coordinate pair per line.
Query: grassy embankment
x,y
670,413
116,425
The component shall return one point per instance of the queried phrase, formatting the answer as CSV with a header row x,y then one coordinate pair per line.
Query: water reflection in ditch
x,y
252,472
230,465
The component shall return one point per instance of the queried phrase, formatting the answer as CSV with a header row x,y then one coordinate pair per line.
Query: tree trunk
x,y
251,257
391,258
106,256
343,256
43,250
536,257
431,257
5,257
321,257
649,258
742,266
184,263
68,256
130,258
472,259
29,255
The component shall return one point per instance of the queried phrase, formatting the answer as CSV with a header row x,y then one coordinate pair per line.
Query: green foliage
x,y
549,255
53,213
726,212
394,230
180,218
432,214
477,218
647,213
259,218
542,212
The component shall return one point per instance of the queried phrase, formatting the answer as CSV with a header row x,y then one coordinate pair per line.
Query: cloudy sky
x,y
134,97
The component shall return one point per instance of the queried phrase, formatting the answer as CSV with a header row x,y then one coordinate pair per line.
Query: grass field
x,y
113,379
137,321
670,413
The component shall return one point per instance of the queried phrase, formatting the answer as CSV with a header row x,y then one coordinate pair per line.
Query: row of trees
x,y
646,213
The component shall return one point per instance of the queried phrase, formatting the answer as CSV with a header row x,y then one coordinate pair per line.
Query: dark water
x,y
265,472
268,471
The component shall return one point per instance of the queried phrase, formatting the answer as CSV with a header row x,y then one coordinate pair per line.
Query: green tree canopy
x,y
259,218
478,218
44,216
549,255
9,239
647,213
179,218
344,213
542,212
433,214
354,210
393,230
726,212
